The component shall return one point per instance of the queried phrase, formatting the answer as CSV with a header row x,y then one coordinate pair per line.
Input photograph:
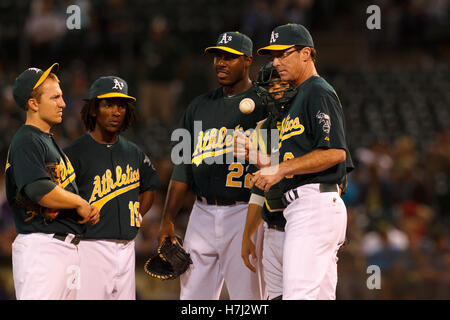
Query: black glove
x,y
170,262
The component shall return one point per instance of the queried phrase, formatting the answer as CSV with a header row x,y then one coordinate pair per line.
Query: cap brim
x,y
274,47
115,95
225,49
45,74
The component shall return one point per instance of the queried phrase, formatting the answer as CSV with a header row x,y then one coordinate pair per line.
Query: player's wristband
x,y
256,199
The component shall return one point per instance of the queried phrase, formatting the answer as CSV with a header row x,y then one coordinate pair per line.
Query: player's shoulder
x,y
78,144
130,147
319,86
26,136
251,93
206,97
125,142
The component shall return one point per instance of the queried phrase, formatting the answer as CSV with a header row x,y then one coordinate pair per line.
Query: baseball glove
x,y
33,208
170,262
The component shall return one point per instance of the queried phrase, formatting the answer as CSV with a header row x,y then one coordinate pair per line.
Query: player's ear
x,y
32,104
248,61
94,105
305,54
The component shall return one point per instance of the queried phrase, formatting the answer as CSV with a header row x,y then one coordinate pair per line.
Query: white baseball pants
x,y
107,270
45,268
273,261
213,239
315,230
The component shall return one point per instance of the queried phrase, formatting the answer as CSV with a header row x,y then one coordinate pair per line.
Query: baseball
x,y
247,105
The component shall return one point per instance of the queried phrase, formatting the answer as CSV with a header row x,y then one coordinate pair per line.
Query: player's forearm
x,y
253,220
176,193
315,161
145,201
59,198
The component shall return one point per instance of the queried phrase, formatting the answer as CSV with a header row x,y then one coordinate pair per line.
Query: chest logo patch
x,y
290,127
107,188
213,142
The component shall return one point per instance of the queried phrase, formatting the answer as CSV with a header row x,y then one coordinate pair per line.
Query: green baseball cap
x,y
286,36
29,80
109,87
234,42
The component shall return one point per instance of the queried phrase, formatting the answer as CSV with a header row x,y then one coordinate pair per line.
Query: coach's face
x,y
50,105
230,68
291,63
111,114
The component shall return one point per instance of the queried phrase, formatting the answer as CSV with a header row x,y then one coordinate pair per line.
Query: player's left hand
x,y
248,249
94,216
265,178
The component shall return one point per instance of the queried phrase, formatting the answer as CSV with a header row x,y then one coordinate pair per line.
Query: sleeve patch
x,y
325,121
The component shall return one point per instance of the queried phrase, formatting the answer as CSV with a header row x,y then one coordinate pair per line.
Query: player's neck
x,y
239,87
38,123
103,136
307,73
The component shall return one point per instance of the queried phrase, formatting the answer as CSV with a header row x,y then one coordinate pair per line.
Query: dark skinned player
x,y
117,177
220,183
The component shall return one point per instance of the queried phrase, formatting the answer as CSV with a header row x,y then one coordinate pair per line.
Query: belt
x,y
323,187
62,236
275,226
217,202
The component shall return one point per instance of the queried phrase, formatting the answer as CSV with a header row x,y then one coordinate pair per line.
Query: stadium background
x,y
393,84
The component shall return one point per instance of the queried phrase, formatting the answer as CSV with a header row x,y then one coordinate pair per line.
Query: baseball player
x,y
40,188
268,207
118,178
315,158
221,184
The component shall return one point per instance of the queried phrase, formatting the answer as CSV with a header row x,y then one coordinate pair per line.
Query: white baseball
x,y
247,105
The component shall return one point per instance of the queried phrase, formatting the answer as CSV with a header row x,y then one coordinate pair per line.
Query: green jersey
x,y
213,172
273,208
314,120
111,177
31,150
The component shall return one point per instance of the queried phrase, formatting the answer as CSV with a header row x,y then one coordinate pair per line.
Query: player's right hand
x,y
248,248
88,213
167,230
241,146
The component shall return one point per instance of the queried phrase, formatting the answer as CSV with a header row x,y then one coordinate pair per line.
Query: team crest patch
x,y
225,39
325,121
37,70
118,84
274,37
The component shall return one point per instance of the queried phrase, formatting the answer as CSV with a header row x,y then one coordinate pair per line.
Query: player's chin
x,y
285,76
114,128
57,120
225,80
277,96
